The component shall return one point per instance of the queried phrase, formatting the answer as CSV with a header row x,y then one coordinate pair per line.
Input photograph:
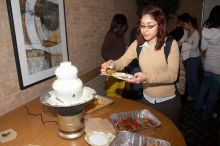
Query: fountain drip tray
x,y
71,135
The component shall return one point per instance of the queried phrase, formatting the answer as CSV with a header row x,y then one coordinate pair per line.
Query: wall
x,y
193,7
87,22
208,5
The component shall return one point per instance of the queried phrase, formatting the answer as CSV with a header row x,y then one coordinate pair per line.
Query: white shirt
x,y
210,43
193,41
154,100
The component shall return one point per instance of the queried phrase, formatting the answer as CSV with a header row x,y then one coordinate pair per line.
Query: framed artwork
x,y
38,31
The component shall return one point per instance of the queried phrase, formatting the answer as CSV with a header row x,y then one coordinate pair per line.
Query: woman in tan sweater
x,y
157,75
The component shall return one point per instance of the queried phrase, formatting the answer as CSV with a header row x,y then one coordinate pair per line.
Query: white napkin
x,y
185,50
7,135
99,124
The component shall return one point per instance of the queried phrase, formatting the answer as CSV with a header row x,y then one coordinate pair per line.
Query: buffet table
x,y
32,132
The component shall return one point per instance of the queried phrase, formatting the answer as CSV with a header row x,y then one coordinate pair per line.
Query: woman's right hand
x,y
110,64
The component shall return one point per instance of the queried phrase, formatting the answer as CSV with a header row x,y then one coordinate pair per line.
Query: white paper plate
x,y
97,138
122,76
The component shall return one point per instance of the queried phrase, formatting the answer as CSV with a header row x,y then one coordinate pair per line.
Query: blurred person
x,y
210,45
113,48
156,74
190,53
114,43
178,32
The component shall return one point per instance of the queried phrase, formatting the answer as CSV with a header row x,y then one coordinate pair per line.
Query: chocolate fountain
x,y
68,98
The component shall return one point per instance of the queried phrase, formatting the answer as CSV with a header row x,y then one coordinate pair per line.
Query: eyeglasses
x,y
147,26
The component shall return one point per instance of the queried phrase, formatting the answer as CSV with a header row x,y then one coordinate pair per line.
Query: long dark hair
x,y
158,16
119,25
186,17
214,19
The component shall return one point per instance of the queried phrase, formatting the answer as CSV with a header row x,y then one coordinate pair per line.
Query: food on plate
x,y
122,76
110,72
97,103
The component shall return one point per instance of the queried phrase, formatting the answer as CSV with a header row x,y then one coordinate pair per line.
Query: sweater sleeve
x,y
169,75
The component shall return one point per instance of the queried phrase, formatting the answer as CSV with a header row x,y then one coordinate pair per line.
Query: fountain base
x,y
71,127
71,135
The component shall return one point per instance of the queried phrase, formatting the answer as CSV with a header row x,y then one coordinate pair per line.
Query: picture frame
x,y
38,29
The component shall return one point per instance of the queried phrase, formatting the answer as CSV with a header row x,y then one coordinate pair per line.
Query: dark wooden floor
x,y
196,131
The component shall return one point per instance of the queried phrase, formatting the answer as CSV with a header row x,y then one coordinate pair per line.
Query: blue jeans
x,y
208,94
192,76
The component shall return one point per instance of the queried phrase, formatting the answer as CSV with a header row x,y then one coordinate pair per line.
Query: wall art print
x,y
39,38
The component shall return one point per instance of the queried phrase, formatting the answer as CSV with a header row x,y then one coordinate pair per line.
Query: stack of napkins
x,y
99,124
7,135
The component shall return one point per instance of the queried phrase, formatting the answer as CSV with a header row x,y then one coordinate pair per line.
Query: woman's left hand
x,y
139,77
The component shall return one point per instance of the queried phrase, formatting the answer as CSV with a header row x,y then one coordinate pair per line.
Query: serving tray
x,y
134,120
97,103
126,138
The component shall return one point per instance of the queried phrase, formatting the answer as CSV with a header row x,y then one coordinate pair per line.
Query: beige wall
x,y
87,22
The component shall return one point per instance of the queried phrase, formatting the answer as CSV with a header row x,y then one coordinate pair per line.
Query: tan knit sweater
x,y
161,76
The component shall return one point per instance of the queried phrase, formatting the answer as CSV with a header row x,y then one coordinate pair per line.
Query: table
x,y
31,130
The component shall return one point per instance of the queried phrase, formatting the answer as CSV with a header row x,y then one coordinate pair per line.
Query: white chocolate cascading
x,y
67,87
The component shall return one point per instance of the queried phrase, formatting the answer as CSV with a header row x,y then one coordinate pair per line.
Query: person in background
x,y
114,44
156,74
178,32
210,45
113,48
191,54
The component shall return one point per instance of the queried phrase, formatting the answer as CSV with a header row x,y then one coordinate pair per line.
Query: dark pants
x,y
208,94
170,108
192,76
